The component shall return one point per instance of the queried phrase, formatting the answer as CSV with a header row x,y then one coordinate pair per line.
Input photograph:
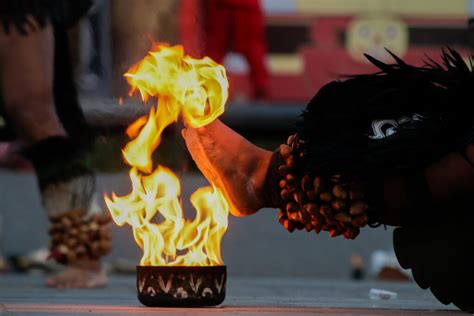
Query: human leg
x,y
65,183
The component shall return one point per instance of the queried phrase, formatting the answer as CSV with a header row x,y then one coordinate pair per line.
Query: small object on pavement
x,y
377,294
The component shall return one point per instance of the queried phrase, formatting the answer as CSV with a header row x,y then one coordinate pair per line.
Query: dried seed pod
x,y
291,139
296,217
334,232
80,250
290,180
318,185
87,220
317,229
306,183
105,245
306,216
326,227
63,249
71,256
289,226
299,226
325,210
66,222
311,195
94,248
73,232
290,162
76,221
94,226
326,197
285,195
282,184
339,191
311,208
358,208
83,238
283,170
360,221
282,220
318,220
56,238
351,232
339,205
72,242
299,197
332,221
343,217
291,207
104,233
285,151
105,219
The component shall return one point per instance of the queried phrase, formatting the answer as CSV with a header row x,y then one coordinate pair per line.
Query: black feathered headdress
x,y
398,119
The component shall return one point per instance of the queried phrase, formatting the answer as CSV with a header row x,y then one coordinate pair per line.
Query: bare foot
x,y
232,163
80,275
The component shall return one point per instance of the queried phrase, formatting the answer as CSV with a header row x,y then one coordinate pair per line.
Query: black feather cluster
x,y
398,119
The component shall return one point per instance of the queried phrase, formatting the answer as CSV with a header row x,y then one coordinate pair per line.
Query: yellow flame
x,y
196,89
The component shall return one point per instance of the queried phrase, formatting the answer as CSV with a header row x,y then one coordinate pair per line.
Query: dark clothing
x,y
63,13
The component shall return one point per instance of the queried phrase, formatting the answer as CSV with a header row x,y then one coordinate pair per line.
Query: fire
x,y
196,90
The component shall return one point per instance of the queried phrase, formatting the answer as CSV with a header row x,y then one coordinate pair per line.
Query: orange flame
x,y
196,89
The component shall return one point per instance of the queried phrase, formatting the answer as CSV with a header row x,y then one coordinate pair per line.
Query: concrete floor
x,y
25,294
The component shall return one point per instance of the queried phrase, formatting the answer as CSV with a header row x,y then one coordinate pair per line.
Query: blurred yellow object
x,y
411,8
374,34
288,64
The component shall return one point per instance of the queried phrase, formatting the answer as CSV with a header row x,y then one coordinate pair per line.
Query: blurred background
x,y
277,53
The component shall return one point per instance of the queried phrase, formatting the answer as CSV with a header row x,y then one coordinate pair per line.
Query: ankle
x,y
258,176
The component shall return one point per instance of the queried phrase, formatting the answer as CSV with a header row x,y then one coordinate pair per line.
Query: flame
x,y
196,90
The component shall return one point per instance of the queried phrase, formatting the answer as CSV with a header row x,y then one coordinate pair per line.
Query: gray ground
x,y
271,271
256,245
245,296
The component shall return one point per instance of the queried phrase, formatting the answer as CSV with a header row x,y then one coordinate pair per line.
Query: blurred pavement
x,y
21,295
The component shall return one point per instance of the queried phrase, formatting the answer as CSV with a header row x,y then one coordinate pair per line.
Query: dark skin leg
x,y
26,74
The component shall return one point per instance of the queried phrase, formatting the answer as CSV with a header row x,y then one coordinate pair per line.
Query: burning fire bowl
x,y
181,286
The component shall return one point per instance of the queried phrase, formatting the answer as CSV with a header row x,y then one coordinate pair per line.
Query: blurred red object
x,y
238,26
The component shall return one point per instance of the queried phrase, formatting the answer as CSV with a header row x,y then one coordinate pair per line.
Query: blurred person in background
x,y
41,108
238,26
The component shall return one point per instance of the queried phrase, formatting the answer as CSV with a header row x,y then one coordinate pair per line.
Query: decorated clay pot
x,y
181,286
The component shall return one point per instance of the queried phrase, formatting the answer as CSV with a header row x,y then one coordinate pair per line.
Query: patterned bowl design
x,y
181,286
